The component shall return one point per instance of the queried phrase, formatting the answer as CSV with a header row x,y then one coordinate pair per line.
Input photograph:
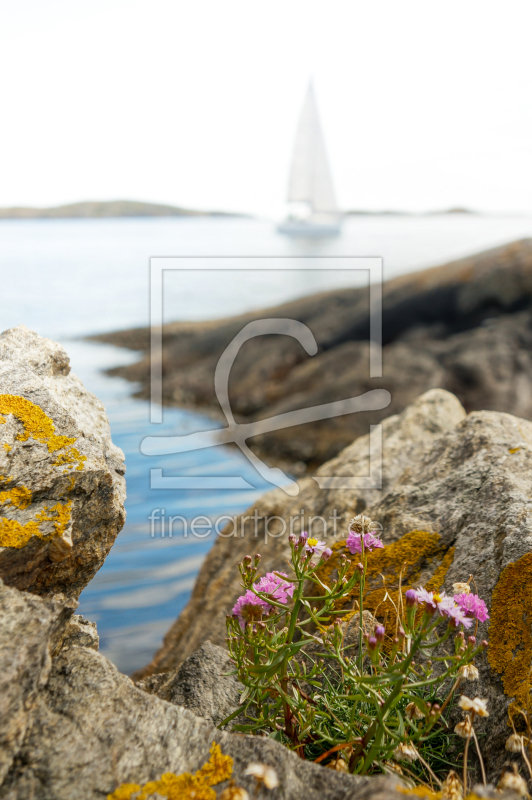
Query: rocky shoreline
x,y
465,327
455,501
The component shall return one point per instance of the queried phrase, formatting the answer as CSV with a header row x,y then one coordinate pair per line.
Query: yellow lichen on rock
x,y
15,534
411,554
19,496
70,456
183,787
510,631
60,516
36,423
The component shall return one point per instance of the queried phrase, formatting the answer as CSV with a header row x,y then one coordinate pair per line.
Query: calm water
x,y
66,279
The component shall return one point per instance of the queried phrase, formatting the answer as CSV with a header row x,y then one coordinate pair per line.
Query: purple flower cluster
x,y
250,609
356,540
473,606
462,609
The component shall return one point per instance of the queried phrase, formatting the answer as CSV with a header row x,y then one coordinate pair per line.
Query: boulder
x,y
62,485
73,726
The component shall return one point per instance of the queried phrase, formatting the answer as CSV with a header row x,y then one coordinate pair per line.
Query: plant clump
x,y
378,705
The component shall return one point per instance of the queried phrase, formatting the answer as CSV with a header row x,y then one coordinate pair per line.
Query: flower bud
x,y
312,565
379,633
257,559
327,553
247,560
371,642
360,568
411,598
484,644
292,538
303,536
472,640
401,634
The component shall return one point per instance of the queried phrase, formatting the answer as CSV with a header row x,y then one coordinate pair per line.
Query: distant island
x,y
92,209
394,213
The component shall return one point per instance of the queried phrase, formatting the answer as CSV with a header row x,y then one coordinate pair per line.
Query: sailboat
x,y
313,211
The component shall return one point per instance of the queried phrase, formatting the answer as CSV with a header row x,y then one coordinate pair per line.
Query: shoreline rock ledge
x,y
62,485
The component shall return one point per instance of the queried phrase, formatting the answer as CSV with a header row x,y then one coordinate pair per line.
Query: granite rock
x,y
62,485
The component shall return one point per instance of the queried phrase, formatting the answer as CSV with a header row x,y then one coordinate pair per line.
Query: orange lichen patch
x,y
412,554
19,496
14,534
36,423
510,634
183,787
60,516
513,450
424,791
70,456
7,447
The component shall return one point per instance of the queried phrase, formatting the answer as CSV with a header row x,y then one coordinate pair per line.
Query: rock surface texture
x,y
73,727
62,485
456,501
464,326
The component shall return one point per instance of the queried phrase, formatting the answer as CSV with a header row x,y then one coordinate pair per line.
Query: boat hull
x,y
309,230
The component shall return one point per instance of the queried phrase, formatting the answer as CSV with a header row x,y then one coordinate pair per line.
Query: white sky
x,y
195,102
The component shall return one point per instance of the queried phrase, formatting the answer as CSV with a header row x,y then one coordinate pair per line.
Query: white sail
x,y
310,177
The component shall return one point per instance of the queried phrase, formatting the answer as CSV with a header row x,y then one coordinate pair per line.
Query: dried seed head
x,y
339,765
513,782
263,774
405,752
413,712
452,787
477,705
461,588
464,728
234,793
513,743
468,672
362,524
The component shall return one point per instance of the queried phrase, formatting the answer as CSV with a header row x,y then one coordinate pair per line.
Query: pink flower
x,y
315,546
273,584
457,616
355,540
250,608
473,606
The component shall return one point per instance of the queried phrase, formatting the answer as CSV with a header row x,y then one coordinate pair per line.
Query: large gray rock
x,y
62,484
75,727
201,684
405,438
29,628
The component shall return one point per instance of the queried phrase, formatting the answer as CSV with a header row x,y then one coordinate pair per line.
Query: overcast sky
x,y
424,105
